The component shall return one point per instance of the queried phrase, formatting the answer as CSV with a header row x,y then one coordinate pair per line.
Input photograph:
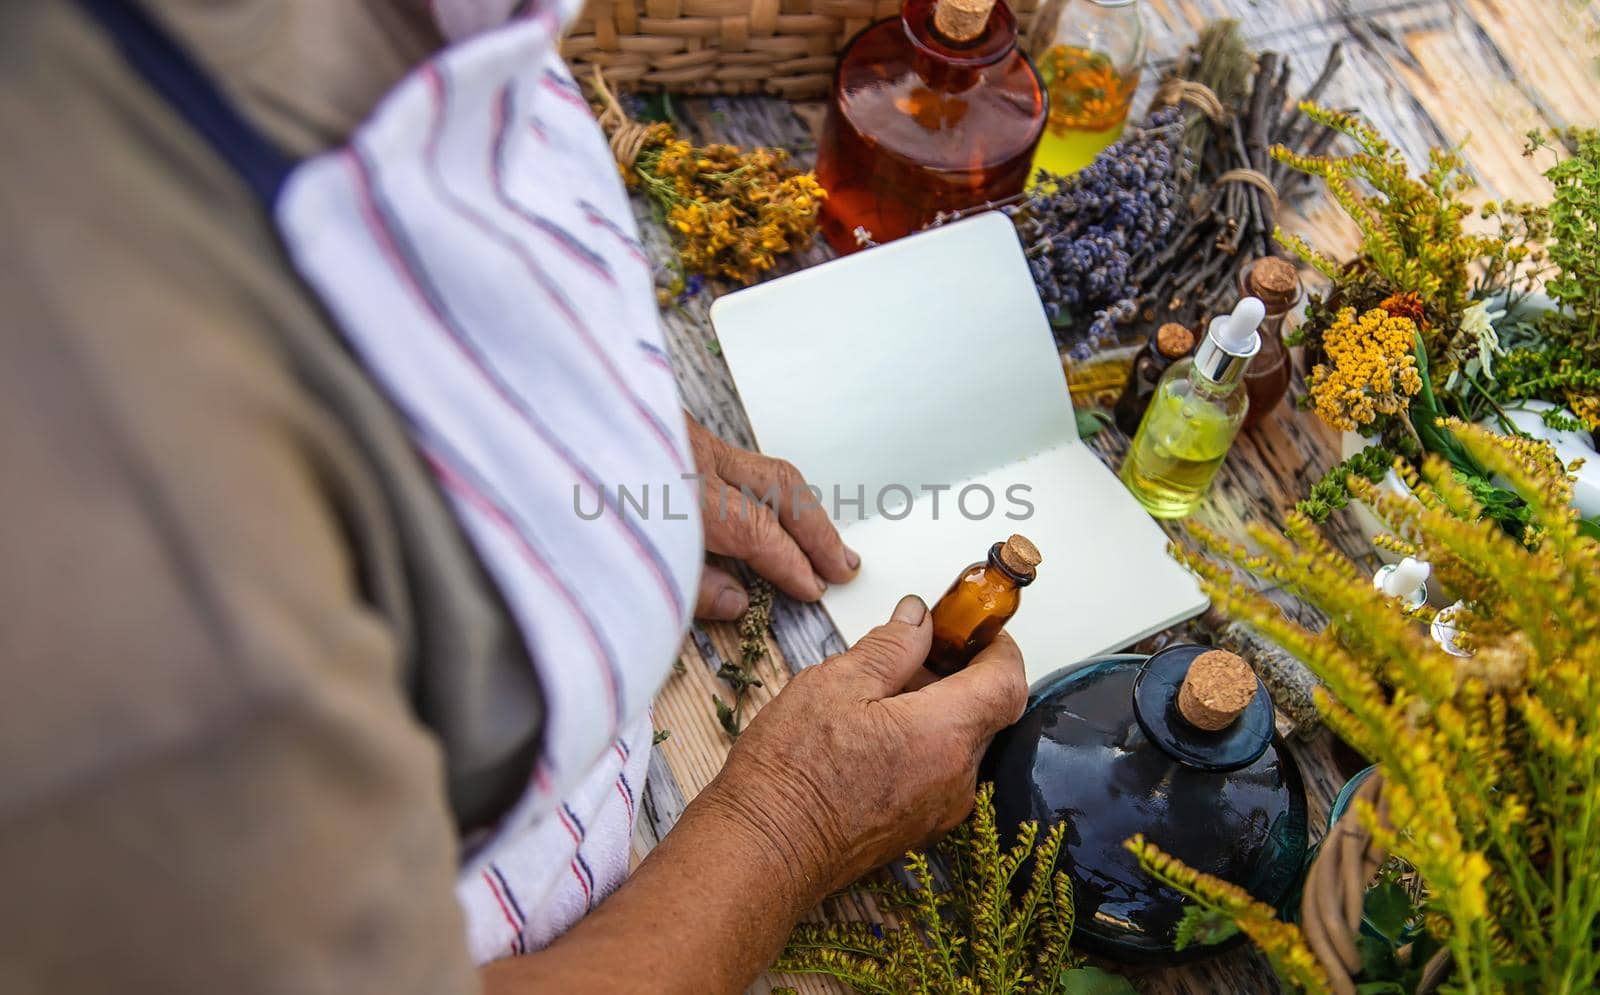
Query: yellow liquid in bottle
x,y
1089,102
1070,150
1177,451
1099,380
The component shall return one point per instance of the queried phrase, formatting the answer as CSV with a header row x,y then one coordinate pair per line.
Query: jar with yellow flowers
x,y
1088,53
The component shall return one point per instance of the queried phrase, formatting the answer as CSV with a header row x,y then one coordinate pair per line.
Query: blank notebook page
x,y
926,368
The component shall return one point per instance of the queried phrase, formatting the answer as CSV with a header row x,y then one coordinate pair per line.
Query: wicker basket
x,y
785,48
1330,908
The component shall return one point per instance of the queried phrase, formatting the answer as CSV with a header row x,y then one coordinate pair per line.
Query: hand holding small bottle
x,y
981,601
846,770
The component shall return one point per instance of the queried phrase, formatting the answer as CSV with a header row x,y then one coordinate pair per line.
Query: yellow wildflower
x,y
1586,407
1404,305
731,212
1283,944
1371,368
1491,762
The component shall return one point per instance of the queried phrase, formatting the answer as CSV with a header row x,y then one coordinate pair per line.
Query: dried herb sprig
x,y
1237,188
731,212
1220,61
753,627
973,936
1086,234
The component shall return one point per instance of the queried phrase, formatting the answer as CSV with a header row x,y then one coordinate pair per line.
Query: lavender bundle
x,y
1089,234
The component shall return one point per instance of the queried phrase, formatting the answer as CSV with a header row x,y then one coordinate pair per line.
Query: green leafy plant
x,y
1091,421
1332,492
1563,366
1574,215
1395,948
1203,926
973,934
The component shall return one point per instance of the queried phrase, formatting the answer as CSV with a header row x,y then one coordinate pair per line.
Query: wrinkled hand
x,y
845,771
792,542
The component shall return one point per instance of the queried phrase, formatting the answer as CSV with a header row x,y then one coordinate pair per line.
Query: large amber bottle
x,y
980,602
937,110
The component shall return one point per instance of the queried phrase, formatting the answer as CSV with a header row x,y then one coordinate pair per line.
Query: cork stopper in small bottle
x,y
1275,281
1216,690
1020,556
961,20
1174,340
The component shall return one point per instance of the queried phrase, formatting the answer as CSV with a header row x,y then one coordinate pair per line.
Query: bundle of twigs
x,y
1237,189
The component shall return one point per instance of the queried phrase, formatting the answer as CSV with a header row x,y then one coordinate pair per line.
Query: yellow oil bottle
x,y
1194,417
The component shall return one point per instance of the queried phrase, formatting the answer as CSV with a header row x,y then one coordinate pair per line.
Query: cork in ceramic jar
x,y
1216,690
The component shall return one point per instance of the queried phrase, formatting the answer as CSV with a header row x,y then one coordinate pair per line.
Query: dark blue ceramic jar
x,y
1104,748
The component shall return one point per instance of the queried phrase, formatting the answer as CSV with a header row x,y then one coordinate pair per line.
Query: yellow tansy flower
x,y
1371,368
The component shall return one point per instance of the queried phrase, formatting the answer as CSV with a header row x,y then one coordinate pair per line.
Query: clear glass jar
x,y
1089,53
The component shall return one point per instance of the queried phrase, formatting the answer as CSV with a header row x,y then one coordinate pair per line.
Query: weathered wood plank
x,y
1425,72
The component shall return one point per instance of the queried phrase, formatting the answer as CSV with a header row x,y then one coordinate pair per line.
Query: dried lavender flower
x,y
1087,233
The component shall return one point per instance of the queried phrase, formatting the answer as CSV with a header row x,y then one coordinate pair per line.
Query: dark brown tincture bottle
x,y
979,603
935,110
1170,343
1266,379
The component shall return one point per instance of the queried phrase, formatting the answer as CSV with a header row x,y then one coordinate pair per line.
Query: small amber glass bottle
x,y
1170,343
1277,283
979,603
936,110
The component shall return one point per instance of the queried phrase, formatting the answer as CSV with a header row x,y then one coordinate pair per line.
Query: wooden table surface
x,y
1425,72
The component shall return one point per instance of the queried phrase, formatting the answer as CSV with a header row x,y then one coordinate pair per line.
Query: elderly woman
x,y
316,326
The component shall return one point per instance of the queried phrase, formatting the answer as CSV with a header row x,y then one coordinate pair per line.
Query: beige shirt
x,y
254,677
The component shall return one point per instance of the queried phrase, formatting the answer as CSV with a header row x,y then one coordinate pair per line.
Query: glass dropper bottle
x,y
1194,416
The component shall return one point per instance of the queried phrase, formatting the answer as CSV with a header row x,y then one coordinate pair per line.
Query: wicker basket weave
x,y
1335,888
785,48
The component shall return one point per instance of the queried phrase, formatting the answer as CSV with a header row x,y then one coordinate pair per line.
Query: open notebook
x,y
928,364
